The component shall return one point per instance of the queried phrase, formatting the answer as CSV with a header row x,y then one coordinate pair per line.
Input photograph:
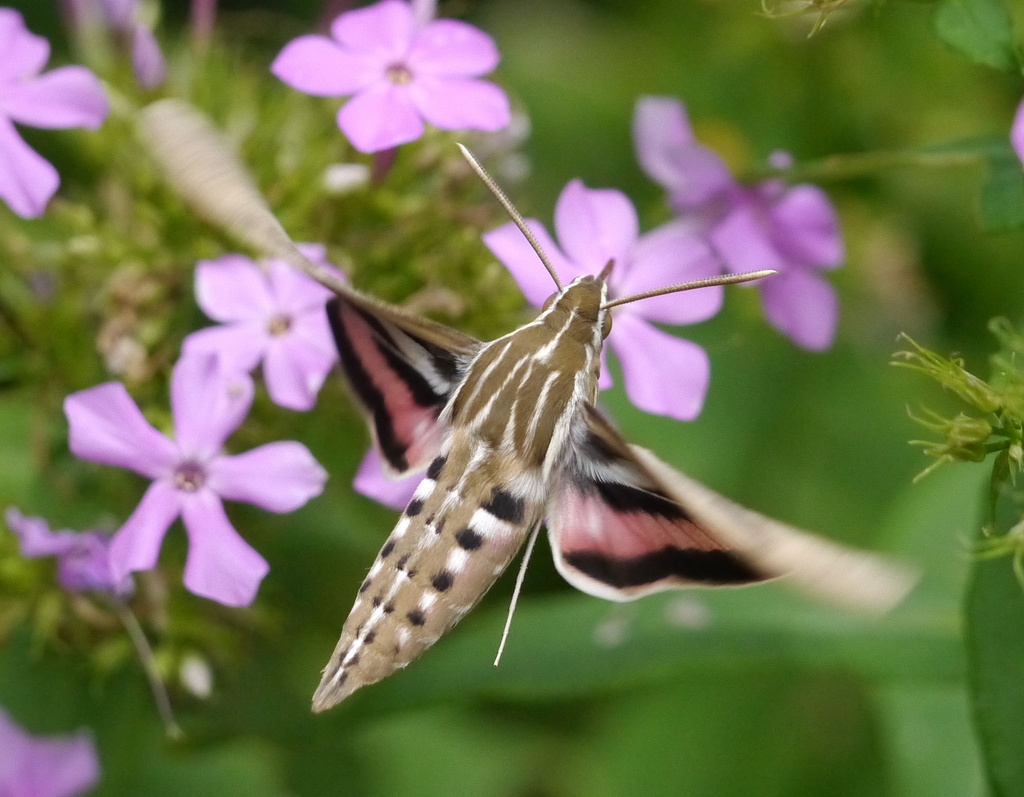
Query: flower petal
x,y
805,227
380,117
240,346
54,766
665,256
148,62
294,291
461,103
136,545
662,374
514,251
743,243
294,373
27,180
279,477
105,425
25,53
86,566
34,536
803,307
384,30
1017,132
672,157
372,482
450,47
595,225
220,565
317,65
208,401
233,288
67,97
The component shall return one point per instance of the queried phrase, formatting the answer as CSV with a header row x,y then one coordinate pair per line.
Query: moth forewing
x,y
826,570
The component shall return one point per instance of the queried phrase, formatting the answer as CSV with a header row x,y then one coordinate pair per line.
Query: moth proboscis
x,y
509,437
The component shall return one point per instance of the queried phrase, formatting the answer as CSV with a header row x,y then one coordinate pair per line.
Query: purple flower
x,y
1017,132
83,558
270,313
33,766
400,74
372,481
191,474
70,96
663,374
793,230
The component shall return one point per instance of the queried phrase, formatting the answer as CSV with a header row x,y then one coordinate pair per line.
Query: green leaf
x,y
995,651
980,29
1002,195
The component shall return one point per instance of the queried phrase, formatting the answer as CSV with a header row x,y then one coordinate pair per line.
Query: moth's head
x,y
584,298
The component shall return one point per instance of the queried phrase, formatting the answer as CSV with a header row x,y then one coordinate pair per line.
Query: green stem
x,y
858,164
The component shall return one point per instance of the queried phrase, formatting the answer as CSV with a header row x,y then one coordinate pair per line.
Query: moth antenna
x,y
723,279
520,577
510,209
207,173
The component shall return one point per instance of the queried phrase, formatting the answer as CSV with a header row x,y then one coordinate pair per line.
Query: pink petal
x,y
279,477
669,255
461,103
372,482
67,97
742,242
384,30
805,226
669,153
34,536
595,225
293,291
233,288
317,65
119,12
136,545
803,307
24,53
54,766
221,565
662,374
452,48
514,251
1017,131
380,117
209,400
294,372
240,346
105,425
27,180
148,62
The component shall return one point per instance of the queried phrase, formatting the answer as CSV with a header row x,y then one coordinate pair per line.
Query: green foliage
x,y
980,29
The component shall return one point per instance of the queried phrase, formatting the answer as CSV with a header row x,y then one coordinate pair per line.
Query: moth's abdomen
x,y
444,554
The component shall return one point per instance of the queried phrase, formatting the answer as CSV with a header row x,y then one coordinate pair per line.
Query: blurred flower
x,y
190,474
147,59
83,558
791,229
70,96
596,226
1017,131
400,74
56,766
270,313
372,482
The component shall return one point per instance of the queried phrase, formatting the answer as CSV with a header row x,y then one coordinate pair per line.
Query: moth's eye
x,y
548,301
606,325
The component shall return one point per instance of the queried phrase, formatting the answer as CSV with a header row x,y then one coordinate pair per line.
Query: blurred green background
x,y
747,692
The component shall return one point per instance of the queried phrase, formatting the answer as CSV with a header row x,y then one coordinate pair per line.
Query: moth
x,y
509,438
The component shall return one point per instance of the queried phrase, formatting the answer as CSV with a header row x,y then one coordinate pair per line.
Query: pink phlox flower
x,y
83,558
190,474
401,72
70,96
1017,132
663,374
270,313
40,766
372,481
791,229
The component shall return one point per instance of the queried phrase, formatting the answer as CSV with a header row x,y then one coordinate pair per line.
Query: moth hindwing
x,y
508,435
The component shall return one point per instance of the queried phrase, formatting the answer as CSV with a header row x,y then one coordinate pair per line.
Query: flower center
x,y
189,477
279,325
399,74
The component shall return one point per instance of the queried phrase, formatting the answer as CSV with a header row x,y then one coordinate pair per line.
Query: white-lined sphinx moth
x,y
509,437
